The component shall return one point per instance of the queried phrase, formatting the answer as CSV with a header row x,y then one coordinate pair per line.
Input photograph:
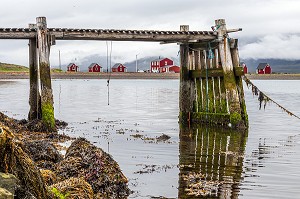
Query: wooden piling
x,y
45,77
232,93
34,94
186,96
236,63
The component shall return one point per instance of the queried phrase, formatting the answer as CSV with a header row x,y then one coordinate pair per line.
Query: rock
x,y
98,168
163,138
42,151
8,182
5,194
15,161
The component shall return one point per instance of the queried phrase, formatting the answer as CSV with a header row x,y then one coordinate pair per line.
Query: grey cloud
x,y
257,18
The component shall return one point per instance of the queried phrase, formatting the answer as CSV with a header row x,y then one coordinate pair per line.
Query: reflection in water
x,y
211,162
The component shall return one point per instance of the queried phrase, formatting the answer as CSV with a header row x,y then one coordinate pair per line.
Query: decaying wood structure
x,y
210,83
211,89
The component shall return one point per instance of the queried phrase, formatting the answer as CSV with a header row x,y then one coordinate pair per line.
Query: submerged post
x,y
34,94
45,77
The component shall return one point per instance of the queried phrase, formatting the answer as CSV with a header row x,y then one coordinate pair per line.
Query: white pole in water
x,y
136,63
59,59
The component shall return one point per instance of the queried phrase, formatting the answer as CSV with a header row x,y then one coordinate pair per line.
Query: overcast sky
x,y
271,28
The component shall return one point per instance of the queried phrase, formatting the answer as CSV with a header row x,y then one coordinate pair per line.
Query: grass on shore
x,y
4,67
57,70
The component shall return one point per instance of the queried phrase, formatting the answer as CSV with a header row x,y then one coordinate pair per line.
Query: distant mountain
x,y
278,65
143,63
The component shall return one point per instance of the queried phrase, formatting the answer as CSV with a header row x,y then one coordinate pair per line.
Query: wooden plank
x,y
211,72
113,35
17,35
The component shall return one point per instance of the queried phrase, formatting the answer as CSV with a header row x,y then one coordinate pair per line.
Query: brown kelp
x,y
75,188
15,161
98,168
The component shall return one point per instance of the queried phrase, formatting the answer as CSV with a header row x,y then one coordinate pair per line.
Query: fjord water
x,y
261,163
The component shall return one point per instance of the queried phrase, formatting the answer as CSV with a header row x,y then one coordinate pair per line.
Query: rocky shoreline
x,y
33,167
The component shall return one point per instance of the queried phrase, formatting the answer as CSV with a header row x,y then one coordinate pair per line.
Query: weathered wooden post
x,y
45,77
186,90
229,77
34,95
236,64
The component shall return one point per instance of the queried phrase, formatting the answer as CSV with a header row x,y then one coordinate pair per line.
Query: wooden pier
x,y
211,89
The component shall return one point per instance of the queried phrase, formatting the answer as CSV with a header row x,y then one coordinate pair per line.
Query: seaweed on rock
x,y
15,161
96,166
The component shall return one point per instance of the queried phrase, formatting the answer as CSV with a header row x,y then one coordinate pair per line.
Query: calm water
x,y
263,163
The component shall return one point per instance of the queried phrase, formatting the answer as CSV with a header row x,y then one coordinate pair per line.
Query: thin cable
x,y
267,98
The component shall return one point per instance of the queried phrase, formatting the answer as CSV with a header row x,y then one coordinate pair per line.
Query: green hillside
x,y
4,67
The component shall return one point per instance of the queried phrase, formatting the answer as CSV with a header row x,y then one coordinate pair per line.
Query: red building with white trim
x,y
242,64
169,69
94,67
263,68
155,65
72,67
119,68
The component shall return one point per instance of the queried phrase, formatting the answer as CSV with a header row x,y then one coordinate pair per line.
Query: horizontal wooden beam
x,y
211,72
214,72
204,45
113,35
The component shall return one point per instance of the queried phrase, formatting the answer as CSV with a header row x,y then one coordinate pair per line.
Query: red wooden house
x,y
94,67
155,65
175,69
119,68
72,67
169,69
263,68
242,64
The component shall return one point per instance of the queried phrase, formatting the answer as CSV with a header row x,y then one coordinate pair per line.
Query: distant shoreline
x,y
274,76
87,75
132,75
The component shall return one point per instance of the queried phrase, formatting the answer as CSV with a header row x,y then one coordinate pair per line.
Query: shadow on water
x,y
210,162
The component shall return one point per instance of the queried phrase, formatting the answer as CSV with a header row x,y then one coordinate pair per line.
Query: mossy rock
x,y
72,188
